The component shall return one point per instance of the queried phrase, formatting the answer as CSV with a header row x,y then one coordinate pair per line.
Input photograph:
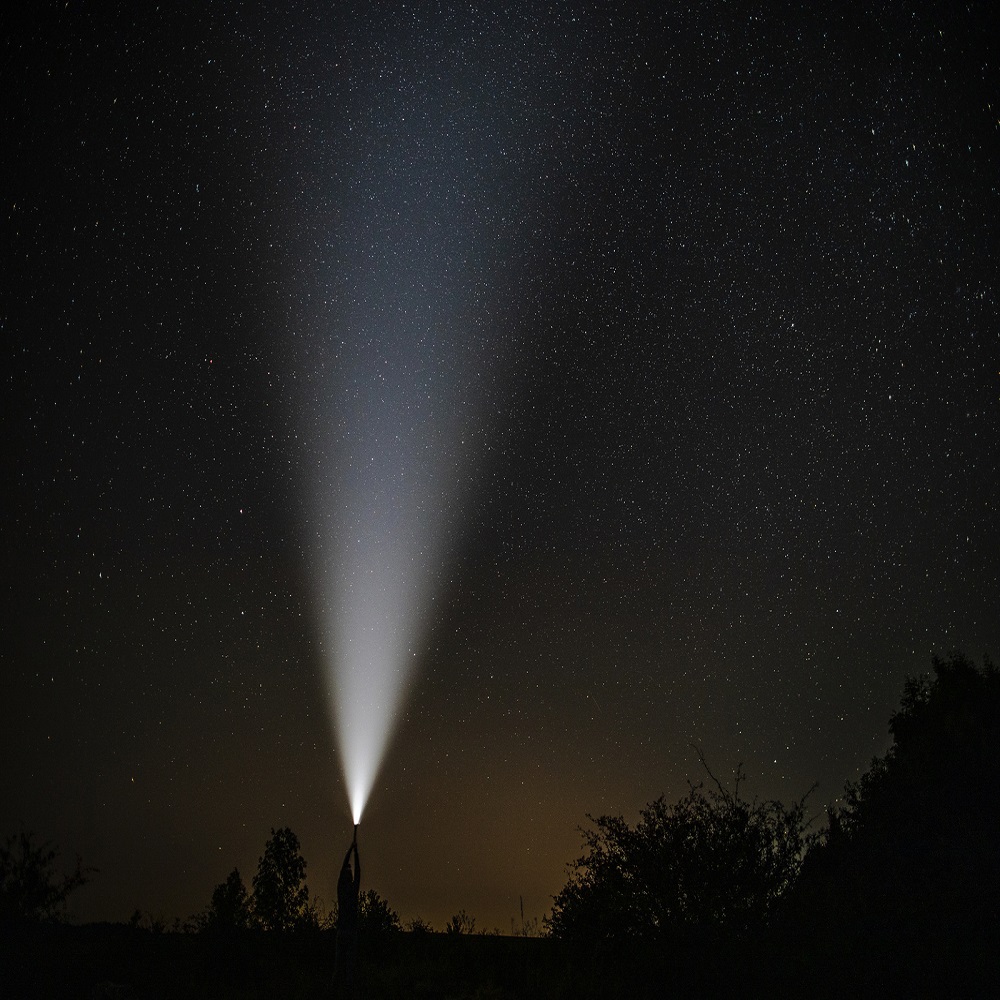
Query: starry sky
x,y
686,316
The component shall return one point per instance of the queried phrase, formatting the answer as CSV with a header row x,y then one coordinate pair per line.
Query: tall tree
x,y
280,894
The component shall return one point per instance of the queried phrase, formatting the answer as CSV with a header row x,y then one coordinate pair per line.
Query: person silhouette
x,y
348,894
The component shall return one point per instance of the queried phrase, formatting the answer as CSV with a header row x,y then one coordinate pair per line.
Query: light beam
x,y
446,141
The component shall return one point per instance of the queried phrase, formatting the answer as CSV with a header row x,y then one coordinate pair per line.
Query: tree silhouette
x,y
917,842
30,888
230,906
280,895
713,862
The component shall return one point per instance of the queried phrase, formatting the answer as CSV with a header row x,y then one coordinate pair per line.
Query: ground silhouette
x,y
712,896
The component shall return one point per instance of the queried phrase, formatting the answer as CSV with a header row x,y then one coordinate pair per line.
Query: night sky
x,y
685,320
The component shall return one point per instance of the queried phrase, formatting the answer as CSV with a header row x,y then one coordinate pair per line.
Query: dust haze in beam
x,y
436,208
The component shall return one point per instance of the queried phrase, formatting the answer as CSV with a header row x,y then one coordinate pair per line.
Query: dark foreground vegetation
x,y
713,896
119,961
104,961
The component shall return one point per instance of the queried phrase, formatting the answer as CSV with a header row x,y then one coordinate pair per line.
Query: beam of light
x,y
407,360
400,418
387,552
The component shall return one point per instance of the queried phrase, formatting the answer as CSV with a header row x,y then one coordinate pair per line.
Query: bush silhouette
x,y
31,890
376,918
460,923
713,862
